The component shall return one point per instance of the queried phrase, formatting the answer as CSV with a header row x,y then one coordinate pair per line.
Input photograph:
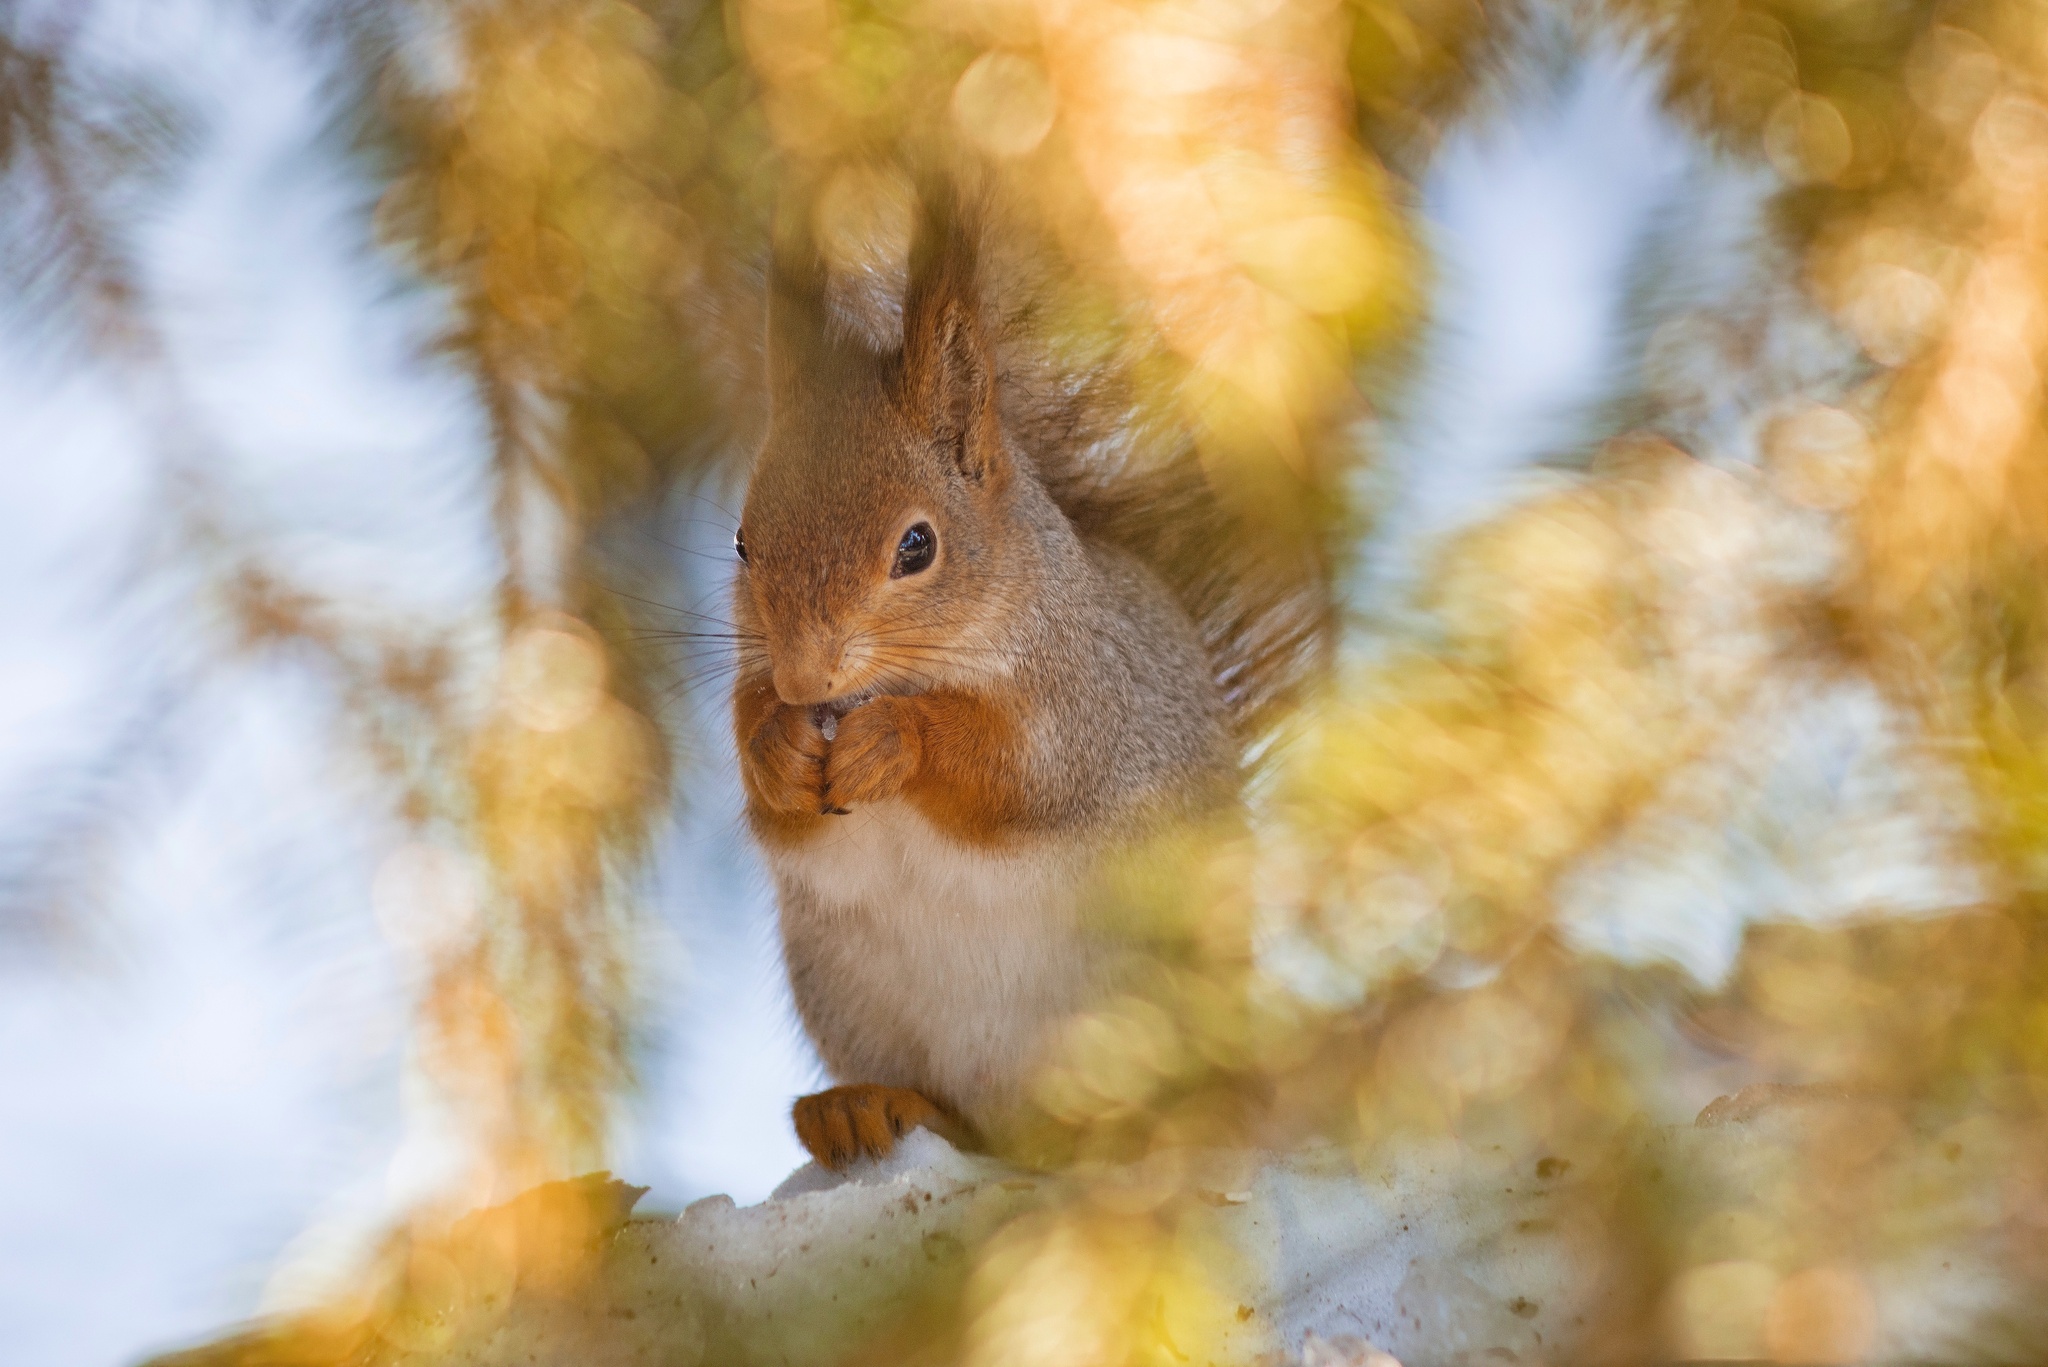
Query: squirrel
x,y
985,640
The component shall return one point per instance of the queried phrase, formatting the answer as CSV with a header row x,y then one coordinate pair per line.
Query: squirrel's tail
x,y
1257,581
1251,559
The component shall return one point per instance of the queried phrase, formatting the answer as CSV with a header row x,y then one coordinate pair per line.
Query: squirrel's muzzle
x,y
805,675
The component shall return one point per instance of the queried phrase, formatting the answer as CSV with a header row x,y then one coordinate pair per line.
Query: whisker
x,y
938,649
670,607
664,634
728,513
691,686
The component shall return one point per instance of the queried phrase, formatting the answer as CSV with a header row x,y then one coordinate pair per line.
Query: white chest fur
x,y
919,961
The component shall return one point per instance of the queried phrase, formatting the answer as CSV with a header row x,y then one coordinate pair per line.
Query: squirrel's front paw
x,y
874,753
864,1121
783,761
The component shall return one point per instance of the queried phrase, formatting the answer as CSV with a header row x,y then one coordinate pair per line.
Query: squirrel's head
x,y
877,518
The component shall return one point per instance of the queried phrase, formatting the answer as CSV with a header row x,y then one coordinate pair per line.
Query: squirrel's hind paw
x,y
843,1124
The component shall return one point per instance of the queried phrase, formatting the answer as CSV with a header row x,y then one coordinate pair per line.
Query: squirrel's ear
x,y
801,343
948,380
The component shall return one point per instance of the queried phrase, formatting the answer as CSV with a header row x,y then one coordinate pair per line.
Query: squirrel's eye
x,y
739,544
915,551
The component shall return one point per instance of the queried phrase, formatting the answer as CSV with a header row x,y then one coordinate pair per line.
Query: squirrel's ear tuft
x,y
802,343
948,379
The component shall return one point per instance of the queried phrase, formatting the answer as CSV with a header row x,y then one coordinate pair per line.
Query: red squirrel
x,y
960,686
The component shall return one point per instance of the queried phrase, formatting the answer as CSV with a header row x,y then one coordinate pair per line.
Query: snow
x,y
1432,1254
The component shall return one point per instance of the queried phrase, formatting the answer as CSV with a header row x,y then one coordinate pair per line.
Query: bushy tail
x,y
1251,559
1260,592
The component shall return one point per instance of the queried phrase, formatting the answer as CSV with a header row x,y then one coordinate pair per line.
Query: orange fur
x,y
965,785
951,754
841,1124
878,750
782,762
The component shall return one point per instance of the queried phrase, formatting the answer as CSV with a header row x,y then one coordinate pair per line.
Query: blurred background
x,y
378,382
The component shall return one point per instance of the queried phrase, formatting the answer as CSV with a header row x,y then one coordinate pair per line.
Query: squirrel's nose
x,y
802,682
